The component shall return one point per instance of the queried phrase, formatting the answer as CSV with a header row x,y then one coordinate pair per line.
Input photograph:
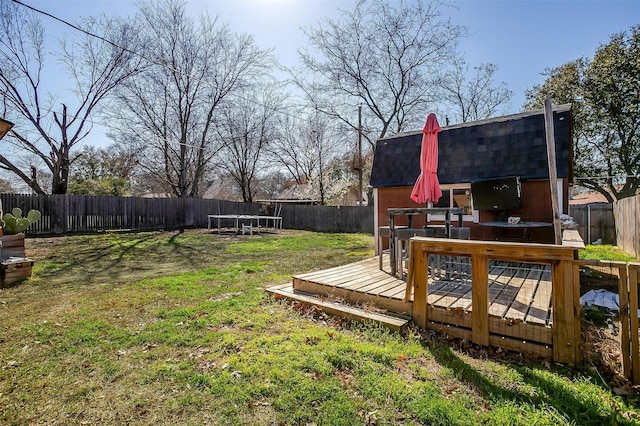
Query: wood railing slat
x,y
480,298
565,342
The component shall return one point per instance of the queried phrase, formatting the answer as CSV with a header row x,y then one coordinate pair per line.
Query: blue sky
x,y
525,37
522,37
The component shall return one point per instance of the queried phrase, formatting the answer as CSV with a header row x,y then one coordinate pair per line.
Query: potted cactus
x,y
14,223
14,266
12,226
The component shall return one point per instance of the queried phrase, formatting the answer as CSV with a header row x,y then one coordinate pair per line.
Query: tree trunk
x,y
58,184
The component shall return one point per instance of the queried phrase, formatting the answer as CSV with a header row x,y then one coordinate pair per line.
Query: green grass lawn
x,y
606,252
176,328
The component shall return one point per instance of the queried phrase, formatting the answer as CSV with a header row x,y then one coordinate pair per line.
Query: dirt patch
x,y
601,354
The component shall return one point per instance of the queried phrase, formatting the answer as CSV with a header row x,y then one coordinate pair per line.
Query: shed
x,y
507,146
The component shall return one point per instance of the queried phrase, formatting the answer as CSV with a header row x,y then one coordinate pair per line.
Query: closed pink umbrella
x,y
427,188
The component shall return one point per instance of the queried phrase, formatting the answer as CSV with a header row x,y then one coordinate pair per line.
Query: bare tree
x,y
271,184
47,128
247,126
387,56
475,97
168,110
306,147
295,148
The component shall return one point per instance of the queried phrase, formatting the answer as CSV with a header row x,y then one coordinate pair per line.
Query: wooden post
x,y
577,329
420,280
635,226
392,245
633,310
623,294
553,174
480,299
565,343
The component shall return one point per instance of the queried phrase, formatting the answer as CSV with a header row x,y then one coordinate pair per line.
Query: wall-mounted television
x,y
497,194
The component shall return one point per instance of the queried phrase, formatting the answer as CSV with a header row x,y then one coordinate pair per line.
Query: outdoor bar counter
x,y
393,212
525,227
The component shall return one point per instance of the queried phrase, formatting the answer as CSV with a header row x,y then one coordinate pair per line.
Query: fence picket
x,y
595,221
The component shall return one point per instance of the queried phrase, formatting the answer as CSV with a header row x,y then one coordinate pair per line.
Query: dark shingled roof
x,y
512,145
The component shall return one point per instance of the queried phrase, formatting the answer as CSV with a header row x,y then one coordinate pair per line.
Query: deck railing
x,y
565,297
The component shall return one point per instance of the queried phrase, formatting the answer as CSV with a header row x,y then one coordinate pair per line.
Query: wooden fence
x,y
627,215
595,222
64,214
328,219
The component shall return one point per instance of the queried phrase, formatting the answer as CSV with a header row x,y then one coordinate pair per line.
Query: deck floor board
x,y
520,306
373,288
390,289
501,291
516,292
342,275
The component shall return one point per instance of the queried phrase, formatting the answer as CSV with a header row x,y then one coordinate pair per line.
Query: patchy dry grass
x,y
175,328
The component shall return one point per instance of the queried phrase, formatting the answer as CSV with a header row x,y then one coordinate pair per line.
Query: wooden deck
x,y
357,283
516,296
520,305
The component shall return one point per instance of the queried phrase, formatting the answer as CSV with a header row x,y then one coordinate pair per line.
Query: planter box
x,y
14,266
14,269
12,246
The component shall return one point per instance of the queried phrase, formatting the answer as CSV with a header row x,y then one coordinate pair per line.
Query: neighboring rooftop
x,y
498,147
588,198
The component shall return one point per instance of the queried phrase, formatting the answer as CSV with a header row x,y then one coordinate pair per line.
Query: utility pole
x,y
360,155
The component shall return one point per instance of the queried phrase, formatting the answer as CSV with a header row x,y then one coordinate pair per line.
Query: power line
x,y
152,61
605,177
82,30
69,24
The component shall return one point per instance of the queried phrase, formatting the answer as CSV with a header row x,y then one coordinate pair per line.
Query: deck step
x,y
397,323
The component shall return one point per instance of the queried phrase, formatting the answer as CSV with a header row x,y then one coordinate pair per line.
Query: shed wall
x,y
536,207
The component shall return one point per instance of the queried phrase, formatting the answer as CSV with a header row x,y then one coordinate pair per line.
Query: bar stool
x,y
402,241
385,232
436,262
